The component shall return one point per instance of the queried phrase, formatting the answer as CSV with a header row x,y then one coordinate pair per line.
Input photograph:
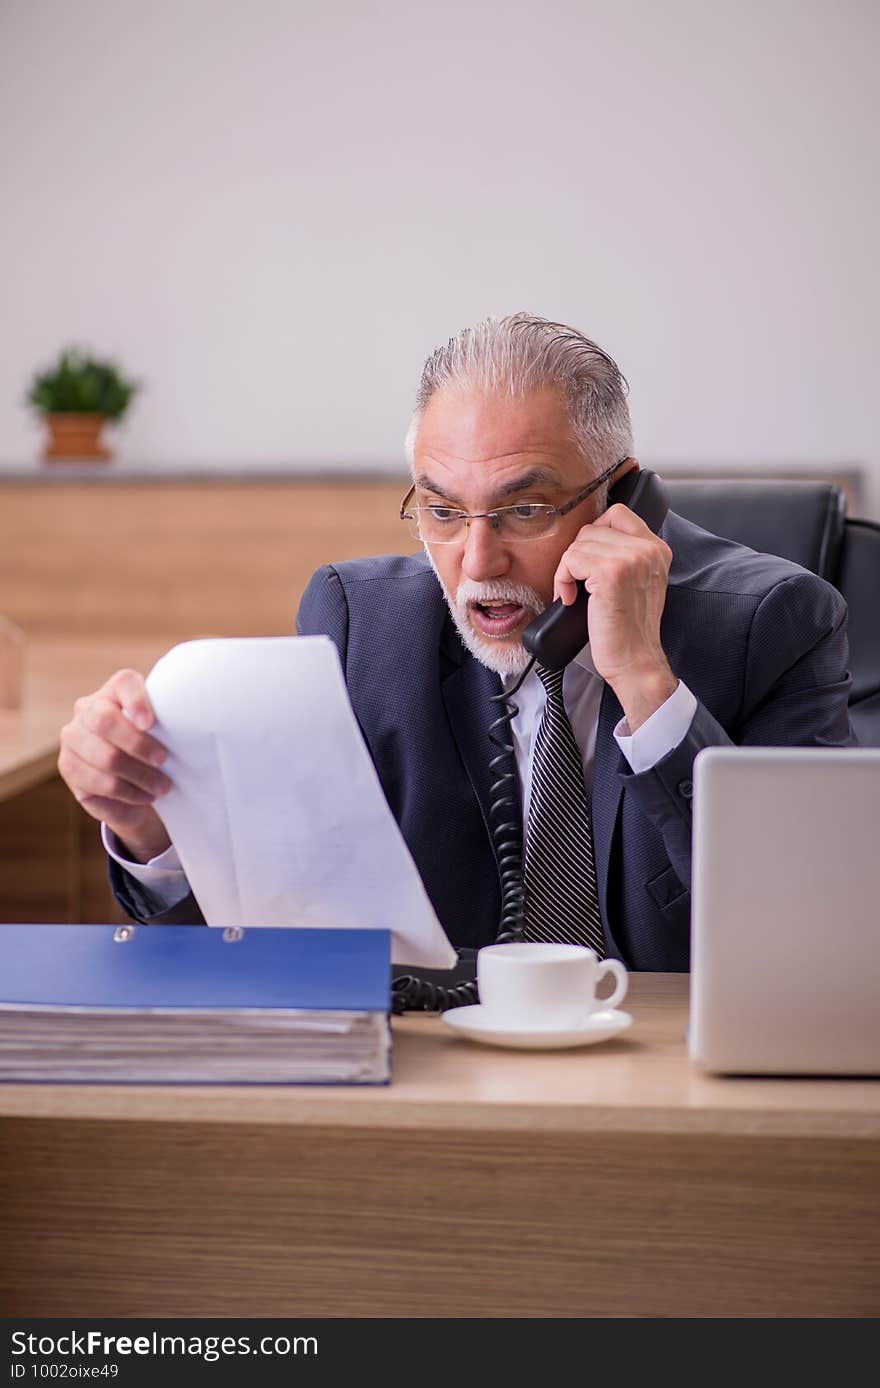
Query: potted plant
x,y
76,397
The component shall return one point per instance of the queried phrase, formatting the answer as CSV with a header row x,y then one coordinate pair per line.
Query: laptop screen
x,y
785,956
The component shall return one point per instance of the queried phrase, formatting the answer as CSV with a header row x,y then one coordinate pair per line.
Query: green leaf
x,y
79,383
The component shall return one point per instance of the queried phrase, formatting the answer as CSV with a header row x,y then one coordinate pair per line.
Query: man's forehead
x,y
472,428
500,483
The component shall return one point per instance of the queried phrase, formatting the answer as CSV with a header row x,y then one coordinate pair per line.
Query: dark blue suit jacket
x,y
760,642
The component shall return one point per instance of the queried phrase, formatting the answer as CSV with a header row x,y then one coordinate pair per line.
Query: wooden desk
x,y
608,1181
52,866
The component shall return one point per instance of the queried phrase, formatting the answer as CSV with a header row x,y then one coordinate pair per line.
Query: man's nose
x,y
485,553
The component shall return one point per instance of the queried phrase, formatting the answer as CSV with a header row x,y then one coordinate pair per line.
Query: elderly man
x,y
520,427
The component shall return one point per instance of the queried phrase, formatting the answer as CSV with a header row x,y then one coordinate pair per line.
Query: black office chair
x,y
807,523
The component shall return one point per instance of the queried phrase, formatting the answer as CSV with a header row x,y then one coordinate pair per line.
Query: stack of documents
x,y
190,1005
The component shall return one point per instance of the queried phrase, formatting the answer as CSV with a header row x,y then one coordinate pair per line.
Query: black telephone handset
x,y
555,637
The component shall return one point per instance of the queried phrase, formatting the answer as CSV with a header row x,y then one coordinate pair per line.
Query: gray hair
x,y
514,355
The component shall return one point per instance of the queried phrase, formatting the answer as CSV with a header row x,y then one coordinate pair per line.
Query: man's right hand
x,y
111,763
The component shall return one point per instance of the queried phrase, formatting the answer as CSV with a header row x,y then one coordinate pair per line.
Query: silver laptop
x,y
785,962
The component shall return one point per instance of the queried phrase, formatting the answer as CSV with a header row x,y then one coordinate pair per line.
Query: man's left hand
x,y
625,568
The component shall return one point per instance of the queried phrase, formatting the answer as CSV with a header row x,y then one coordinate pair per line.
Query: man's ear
x,y
629,465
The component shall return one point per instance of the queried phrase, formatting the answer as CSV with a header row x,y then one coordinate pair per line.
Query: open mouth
x,y
497,618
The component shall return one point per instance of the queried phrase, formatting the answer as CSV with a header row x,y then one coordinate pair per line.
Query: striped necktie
x,y
561,900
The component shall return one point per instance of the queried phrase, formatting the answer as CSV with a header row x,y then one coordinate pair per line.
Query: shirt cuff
x,y
660,733
163,876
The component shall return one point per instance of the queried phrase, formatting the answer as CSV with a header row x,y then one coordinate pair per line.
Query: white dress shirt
x,y
165,880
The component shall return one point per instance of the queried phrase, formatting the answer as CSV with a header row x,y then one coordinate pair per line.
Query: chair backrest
x,y
858,578
807,523
800,521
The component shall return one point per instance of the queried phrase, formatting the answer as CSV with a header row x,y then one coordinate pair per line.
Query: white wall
x,y
272,211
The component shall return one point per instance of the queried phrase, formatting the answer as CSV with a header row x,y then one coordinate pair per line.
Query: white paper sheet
x,y
277,813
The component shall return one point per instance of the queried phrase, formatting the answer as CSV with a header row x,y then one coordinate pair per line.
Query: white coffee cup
x,y
545,985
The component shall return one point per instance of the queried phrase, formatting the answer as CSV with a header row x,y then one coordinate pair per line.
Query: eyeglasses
x,y
444,525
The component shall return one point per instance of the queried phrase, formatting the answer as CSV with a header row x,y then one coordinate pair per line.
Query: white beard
x,y
506,656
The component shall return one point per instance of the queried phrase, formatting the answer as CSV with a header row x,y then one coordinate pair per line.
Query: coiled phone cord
x,y
409,994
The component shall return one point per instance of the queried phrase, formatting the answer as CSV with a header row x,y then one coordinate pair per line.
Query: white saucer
x,y
473,1023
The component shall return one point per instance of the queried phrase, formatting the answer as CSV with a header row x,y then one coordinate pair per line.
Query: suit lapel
x,y
607,791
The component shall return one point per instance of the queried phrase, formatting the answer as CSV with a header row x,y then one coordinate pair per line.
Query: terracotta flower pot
x,y
75,437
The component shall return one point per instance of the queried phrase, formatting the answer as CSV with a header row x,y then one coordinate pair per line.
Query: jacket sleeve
x,y
323,611
136,901
794,694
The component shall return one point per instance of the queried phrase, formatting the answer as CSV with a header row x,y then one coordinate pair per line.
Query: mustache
x,y
498,590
